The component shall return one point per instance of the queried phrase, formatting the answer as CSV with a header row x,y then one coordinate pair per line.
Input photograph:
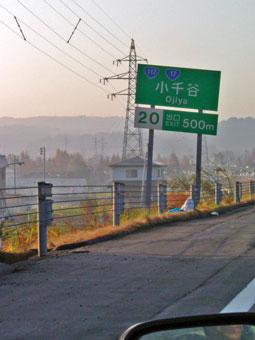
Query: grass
x,y
24,237
90,226
8,257
176,199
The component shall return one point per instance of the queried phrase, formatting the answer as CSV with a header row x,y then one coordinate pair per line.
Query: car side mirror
x,y
229,326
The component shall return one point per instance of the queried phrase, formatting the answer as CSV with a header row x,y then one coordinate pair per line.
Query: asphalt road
x,y
96,292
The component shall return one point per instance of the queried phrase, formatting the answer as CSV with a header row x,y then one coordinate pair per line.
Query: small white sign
x,y
148,118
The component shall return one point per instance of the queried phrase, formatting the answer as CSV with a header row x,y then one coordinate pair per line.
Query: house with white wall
x,y
133,172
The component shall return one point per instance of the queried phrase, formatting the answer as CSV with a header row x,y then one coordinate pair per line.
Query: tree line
x,y
96,169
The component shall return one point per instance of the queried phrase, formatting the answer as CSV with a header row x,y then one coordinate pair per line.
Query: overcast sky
x,y
38,79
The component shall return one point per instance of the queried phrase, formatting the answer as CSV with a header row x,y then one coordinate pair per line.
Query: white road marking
x,y
243,301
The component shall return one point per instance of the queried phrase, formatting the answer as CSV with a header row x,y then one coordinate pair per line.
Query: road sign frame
x,y
178,87
178,121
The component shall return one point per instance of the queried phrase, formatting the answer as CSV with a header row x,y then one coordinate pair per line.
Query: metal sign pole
x,y
198,163
149,166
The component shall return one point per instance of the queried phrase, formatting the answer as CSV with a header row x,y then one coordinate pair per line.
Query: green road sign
x,y
177,87
181,121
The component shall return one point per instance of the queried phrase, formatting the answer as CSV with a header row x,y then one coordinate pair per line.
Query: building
x,y
3,165
133,172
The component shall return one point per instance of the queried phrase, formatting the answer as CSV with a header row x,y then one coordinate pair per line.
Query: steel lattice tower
x,y
132,141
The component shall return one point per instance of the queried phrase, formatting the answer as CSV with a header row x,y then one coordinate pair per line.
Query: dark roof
x,y
134,162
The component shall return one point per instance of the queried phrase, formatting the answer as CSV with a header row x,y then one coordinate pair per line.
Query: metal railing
x,y
25,214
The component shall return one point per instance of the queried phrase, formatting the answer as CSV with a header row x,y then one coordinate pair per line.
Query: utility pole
x,y
95,150
42,153
15,183
14,163
102,147
132,141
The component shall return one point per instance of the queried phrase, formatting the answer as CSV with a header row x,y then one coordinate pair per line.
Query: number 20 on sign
x,y
181,121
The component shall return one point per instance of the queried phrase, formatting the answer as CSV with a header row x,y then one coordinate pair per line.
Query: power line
x,y
109,17
82,33
49,42
115,23
67,20
76,48
94,30
13,31
55,32
58,48
54,59
49,56
99,23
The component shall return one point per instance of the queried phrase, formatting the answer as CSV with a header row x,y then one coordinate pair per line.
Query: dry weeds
x,y
137,225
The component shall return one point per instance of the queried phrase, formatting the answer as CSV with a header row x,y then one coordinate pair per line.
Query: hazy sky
x,y
206,34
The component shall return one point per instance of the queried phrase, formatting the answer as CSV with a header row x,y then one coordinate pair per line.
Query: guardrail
x,y
27,214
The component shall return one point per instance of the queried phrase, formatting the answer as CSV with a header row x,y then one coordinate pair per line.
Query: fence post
x,y
237,192
44,215
194,193
240,190
118,202
251,188
218,193
162,203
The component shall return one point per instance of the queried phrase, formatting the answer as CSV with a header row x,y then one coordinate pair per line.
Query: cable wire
x,y
18,206
61,50
79,193
17,188
54,59
88,199
89,206
17,197
84,34
18,224
73,46
111,19
70,201
88,193
115,23
89,15
28,213
79,215
59,36
83,186
99,34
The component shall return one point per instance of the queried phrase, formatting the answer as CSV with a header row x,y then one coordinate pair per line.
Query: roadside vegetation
x,y
95,223
19,249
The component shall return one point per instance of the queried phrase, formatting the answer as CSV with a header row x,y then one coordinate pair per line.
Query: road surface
x,y
96,292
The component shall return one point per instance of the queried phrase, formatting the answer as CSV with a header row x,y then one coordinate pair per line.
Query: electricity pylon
x,y
132,141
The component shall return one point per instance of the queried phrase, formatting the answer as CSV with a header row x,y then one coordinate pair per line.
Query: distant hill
x,y
105,135
234,134
76,134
